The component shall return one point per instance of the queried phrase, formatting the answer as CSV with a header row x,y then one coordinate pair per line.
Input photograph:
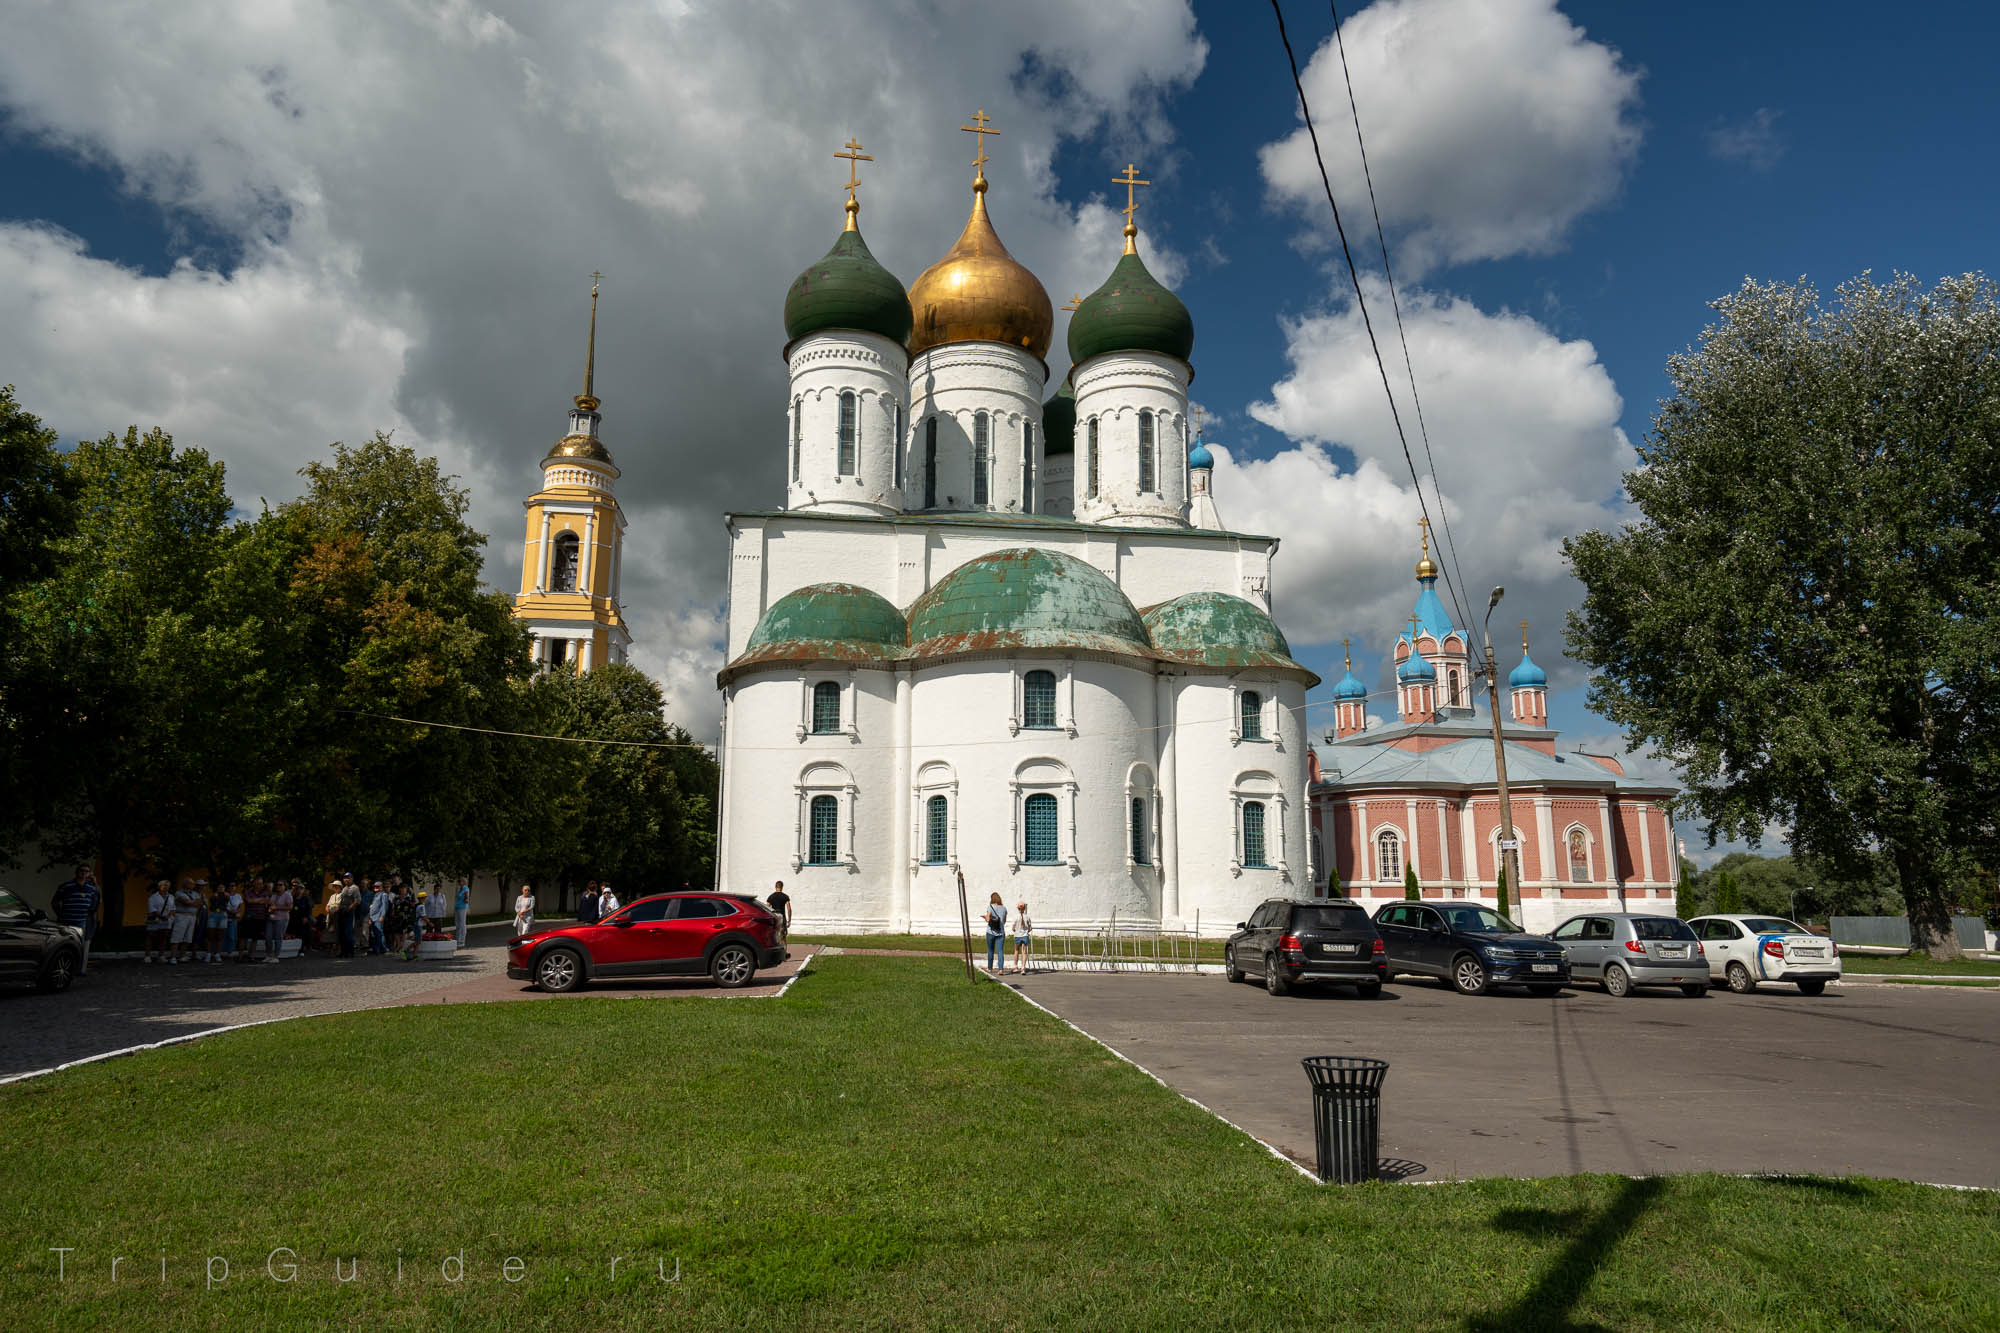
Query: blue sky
x,y
266,230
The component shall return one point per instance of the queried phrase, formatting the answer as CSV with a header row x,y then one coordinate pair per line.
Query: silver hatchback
x,y
1620,950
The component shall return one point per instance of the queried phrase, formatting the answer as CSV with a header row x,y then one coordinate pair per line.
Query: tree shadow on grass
x,y
1548,1304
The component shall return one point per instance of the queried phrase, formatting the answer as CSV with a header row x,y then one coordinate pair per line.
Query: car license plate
x,y
1548,967
1673,951
1797,952
1340,948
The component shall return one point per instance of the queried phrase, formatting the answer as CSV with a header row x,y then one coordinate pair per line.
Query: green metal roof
x,y
847,289
1131,312
1059,423
1218,630
827,622
1026,598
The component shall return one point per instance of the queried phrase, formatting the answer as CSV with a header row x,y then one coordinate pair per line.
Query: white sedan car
x,y
1745,948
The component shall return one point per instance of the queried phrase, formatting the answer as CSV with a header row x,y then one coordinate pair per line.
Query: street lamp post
x,y
1510,852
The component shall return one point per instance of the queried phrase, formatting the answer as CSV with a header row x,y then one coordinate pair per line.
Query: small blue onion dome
x,y
1199,456
1416,667
1528,675
1349,687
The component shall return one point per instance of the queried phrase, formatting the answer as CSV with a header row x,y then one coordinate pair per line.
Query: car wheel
x,y
1230,971
1738,977
1274,978
733,966
559,970
1545,990
58,971
1468,975
1368,990
1812,987
1694,992
1617,984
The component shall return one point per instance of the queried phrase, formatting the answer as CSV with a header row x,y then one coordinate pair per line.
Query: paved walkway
x,y
121,1004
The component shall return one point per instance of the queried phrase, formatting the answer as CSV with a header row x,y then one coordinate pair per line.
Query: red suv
x,y
674,934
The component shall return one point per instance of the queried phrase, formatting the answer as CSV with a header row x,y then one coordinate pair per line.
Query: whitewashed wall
x,y
953,383
823,366
1112,390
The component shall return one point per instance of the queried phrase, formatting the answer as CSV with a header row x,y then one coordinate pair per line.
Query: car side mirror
x,y
622,922
36,914
1243,925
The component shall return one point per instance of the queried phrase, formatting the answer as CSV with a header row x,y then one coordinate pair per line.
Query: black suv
x,y
1473,948
34,948
1291,943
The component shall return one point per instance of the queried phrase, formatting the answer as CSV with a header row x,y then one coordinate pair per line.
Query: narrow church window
x,y
798,429
1038,700
1452,691
823,840
1388,856
937,828
1252,706
1027,468
980,461
562,564
1091,489
1141,844
1148,482
1579,857
847,428
930,463
1039,841
826,707
898,439
1253,834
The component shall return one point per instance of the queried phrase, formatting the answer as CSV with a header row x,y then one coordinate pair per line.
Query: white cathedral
x,y
996,635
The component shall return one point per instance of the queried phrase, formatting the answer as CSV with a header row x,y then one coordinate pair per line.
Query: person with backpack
x,y
996,934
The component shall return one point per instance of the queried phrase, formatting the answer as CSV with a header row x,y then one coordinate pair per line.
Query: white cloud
x,y
1492,125
1524,429
420,188
1754,141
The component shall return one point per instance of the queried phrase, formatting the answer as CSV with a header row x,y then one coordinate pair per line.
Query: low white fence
x,y
1116,948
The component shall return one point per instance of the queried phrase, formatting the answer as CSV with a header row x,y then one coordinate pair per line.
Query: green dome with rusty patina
x,y
848,289
1024,597
827,622
1218,630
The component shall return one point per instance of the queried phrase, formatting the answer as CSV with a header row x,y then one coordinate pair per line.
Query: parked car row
x,y
1474,949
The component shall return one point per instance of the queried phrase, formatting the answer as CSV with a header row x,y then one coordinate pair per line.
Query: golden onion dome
x,y
980,293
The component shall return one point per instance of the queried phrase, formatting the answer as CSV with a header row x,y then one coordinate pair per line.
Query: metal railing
x,y
1116,948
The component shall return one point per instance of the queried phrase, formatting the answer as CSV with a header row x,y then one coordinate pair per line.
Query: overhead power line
x,y
1360,297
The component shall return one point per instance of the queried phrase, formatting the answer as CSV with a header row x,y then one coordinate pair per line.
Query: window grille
x,y
1039,841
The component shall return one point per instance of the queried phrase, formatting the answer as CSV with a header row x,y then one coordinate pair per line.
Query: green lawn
x,y
888,1146
1876,964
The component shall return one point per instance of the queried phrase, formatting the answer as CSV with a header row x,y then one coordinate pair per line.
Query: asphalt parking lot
x,y
1876,1080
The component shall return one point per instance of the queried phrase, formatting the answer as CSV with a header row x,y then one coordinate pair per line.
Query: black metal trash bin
x,y
1347,1114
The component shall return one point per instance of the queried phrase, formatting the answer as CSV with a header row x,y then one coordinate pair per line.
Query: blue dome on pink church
x,y
1527,675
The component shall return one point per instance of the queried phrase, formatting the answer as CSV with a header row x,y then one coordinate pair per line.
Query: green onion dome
x,y
1131,312
847,289
1217,630
1024,597
826,622
1059,423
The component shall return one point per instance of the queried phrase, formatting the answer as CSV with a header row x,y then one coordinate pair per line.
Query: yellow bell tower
x,y
574,540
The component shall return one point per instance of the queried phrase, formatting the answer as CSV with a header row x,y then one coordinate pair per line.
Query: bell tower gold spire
x,y
587,400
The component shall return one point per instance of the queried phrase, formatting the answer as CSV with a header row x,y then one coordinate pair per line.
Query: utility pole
x,y
1510,849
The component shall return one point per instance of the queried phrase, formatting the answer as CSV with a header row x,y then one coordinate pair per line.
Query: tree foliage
x,y
1411,890
1801,618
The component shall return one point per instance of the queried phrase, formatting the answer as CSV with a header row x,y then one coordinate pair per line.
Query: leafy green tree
x,y
1802,617
1500,893
1333,885
1684,894
1728,898
1410,888
37,496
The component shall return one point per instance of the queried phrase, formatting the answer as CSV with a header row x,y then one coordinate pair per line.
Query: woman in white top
x,y
524,911
1023,928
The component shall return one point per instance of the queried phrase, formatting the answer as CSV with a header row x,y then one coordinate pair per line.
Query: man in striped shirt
x,y
77,903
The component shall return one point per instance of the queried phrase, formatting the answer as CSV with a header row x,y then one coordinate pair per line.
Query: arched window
x,y
563,563
1090,486
826,707
897,451
823,840
1253,835
1027,468
937,831
981,457
1322,878
1579,856
1148,479
1038,699
1252,713
1388,856
848,412
798,433
1142,845
1452,693
1038,841
930,462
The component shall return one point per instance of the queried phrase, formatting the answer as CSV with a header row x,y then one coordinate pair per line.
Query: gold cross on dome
x,y
855,157
1413,629
980,127
1199,417
1524,636
1074,301
1345,655
1130,180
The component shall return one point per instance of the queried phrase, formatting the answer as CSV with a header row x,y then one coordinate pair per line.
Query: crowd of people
x,y
250,921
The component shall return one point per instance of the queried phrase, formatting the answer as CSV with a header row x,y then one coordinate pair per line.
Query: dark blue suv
x,y
1472,947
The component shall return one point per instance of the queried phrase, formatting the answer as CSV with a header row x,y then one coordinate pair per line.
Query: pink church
x,y
1421,792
